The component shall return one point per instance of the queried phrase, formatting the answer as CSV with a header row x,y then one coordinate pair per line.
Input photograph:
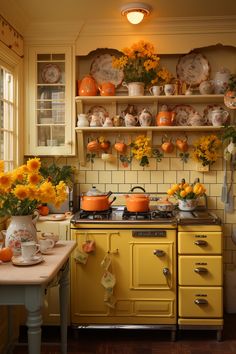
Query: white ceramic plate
x,y
51,73
182,114
102,70
19,261
193,68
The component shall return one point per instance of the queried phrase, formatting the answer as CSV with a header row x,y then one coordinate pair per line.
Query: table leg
x,y
33,304
64,293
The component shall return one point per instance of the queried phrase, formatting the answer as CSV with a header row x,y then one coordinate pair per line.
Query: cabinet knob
x,y
159,253
166,272
201,270
200,301
200,243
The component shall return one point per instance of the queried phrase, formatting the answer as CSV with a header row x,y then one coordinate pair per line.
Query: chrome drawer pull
x,y
200,243
201,270
159,253
201,302
166,272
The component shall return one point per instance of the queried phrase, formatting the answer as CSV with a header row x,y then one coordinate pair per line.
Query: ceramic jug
x,y
221,80
118,121
219,117
130,120
165,117
95,121
108,122
88,86
145,118
107,89
82,120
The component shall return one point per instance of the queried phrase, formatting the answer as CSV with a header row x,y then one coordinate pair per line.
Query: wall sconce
x,y
135,12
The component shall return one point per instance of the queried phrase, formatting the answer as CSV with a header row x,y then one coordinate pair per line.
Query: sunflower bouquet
x,y
206,149
139,63
141,149
24,189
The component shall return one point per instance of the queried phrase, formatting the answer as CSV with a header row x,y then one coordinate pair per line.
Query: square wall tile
x,y
144,177
169,177
118,176
131,176
104,176
92,177
157,176
98,164
210,177
164,164
176,164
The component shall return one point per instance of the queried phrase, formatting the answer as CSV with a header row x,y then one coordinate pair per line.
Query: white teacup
x,y
156,90
169,89
45,245
29,250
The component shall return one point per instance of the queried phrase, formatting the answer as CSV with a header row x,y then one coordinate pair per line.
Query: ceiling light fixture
x,y
135,12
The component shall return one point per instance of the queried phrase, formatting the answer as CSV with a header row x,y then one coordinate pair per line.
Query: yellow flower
x,y
206,149
185,191
23,189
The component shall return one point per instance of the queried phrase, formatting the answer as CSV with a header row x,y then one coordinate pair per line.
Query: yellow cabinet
x,y
200,280
145,288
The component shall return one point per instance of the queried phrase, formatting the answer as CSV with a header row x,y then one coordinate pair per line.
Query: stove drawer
x,y
200,270
201,302
200,242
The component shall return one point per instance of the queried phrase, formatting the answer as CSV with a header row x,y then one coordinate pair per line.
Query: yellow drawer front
x,y
200,242
200,270
201,302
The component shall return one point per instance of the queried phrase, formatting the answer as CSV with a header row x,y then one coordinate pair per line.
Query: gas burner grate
x,y
94,215
129,215
156,214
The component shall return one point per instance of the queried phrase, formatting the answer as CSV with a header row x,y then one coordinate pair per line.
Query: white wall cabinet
x,y
49,101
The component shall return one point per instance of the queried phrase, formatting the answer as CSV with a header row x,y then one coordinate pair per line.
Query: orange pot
x,y
165,118
137,202
98,202
107,89
88,86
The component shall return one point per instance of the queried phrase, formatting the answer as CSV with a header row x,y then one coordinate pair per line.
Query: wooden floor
x,y
136,342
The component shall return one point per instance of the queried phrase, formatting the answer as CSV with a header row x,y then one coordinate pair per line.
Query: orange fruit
x,y
43,210
6,254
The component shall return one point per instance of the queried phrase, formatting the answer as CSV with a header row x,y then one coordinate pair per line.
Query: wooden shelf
x,y
149,131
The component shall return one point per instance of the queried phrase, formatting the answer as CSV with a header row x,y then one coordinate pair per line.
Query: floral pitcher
x,y
21,229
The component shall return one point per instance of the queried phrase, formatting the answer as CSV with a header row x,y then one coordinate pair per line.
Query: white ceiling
x,y
24,13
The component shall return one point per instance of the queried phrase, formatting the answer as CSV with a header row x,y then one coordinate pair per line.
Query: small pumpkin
x,y
120,147
93,146
43,210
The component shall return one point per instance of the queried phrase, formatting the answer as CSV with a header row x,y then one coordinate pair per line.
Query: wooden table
x,y
25,285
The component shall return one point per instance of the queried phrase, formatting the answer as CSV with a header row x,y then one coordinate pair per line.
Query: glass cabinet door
x,y
50,102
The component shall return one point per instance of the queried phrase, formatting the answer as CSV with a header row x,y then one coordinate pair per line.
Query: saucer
x,y
19,261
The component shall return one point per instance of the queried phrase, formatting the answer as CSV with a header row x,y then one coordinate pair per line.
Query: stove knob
x,y
159,253
166,272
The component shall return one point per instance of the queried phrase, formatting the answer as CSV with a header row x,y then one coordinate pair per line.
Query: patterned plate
x,y
102,70
182,114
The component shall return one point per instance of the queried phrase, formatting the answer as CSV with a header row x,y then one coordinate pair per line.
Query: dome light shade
x,y
135,12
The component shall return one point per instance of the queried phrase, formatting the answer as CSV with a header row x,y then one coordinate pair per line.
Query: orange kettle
x,y
88,86
165,117
107,89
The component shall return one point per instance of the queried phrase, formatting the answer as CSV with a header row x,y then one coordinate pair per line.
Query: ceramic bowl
x,y
50,235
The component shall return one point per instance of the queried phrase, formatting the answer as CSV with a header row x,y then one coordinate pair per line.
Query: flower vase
x,y
134,88
22,228
188,204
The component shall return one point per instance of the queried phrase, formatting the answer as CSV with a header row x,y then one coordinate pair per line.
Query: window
x,y
11,128
6,117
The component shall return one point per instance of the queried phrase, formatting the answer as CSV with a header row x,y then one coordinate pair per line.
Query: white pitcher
x,y
219,117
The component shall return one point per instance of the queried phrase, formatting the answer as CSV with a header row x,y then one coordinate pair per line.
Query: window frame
x,y
12,62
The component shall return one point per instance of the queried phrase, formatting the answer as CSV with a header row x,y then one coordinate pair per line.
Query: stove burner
x,y
127,215
94,215
162,214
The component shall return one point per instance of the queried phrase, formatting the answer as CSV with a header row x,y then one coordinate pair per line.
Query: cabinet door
x,y
50,114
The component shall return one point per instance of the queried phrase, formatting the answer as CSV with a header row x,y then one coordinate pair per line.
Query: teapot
x,y
167,145
165,117
182,144
145,118
130,120
196,119
219,117
82,120
108,122
96,121
107,89
88,86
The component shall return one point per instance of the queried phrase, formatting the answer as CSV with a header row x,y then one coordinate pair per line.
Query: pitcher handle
x,y
35,216
124,84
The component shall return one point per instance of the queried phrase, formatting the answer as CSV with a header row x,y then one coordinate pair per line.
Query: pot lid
x,y
94,192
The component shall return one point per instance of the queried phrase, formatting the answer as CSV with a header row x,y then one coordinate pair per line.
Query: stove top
x,y
119,214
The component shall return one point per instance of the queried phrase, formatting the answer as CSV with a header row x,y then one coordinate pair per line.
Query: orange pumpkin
x,y
120,147
6,254
93,146
43,210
